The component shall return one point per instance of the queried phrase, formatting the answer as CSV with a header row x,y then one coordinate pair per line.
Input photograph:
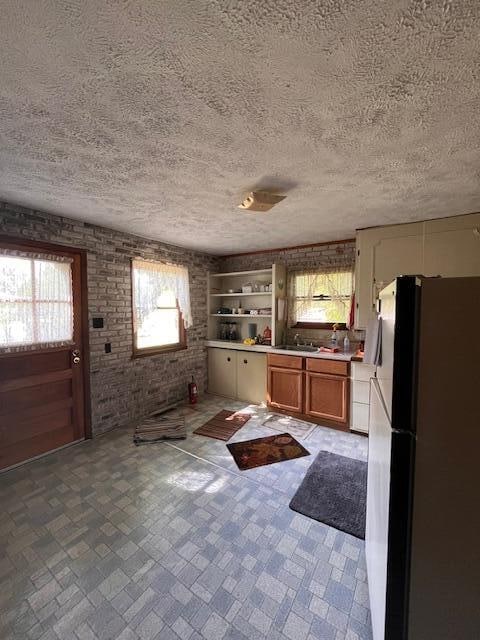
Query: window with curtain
x,y
36,300
320,299
161,307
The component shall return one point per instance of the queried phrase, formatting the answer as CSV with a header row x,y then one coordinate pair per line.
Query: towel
x,y
373,341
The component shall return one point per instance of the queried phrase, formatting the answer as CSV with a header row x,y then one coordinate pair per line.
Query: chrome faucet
x,y
296,339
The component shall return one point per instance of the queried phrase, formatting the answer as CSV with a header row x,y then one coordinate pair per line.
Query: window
x,y
318,300
161,307
36,300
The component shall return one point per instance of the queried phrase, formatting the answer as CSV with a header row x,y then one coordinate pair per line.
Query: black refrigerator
x,y
422,537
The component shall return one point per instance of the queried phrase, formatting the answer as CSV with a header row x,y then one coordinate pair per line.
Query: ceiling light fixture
x,y
260,201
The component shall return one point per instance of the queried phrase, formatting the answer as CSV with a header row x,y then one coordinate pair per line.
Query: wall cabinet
x,y
261,296
314,388
452,247
237,374
448,247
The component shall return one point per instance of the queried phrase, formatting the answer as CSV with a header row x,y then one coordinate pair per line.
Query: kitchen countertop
x,y
239,346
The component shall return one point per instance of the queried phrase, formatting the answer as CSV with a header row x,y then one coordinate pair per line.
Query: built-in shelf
x,y
232,274
241,295
239,315
273,302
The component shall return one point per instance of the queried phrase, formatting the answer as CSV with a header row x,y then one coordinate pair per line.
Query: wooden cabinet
x,y
251,376
222,372
326,396
315,388
448,247
285,389
237,374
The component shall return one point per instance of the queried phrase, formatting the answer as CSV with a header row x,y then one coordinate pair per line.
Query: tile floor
x,y
108,540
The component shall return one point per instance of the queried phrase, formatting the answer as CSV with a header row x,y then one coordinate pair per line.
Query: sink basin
x,y
298,347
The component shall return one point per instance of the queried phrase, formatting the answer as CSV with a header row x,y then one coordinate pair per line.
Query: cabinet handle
x,y
228,359
245,362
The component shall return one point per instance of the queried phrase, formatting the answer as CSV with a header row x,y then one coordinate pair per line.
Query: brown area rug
x,y
223,425
262,451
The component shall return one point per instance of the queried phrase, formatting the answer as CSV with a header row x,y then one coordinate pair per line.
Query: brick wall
x,y
295,259
124,389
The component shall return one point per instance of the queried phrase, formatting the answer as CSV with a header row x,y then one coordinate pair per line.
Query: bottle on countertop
x,y
334,339
346,344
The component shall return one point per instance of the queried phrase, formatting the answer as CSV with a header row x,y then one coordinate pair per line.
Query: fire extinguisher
x,y
192,391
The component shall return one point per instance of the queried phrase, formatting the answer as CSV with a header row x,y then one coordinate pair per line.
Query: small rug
x,y
298,428
262,451
163,425
334,492
223,425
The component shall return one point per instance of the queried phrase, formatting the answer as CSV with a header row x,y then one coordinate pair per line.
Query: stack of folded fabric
x,y
163,425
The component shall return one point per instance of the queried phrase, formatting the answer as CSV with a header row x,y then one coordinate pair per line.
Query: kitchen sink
x,y
298,347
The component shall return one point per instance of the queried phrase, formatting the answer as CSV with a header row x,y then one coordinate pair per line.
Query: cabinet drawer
x,y
334,367
362,371
360,415
361,391
286,362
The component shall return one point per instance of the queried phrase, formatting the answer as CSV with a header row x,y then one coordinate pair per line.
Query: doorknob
x,y
76,360
76,356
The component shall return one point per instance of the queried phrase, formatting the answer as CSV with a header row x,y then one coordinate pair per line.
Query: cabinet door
x,y
222,372
251,376
382,255
285,389
452,247
394,257
326,396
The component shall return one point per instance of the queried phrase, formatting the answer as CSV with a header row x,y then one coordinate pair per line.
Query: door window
x,y
36,300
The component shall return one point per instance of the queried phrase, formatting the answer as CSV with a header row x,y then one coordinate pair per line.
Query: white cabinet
x,y
360,407
447,247
452,247
237,374
240,298
382,254
222,372
251,376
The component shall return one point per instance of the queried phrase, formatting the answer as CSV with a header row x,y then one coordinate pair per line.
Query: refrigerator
x,y
422,538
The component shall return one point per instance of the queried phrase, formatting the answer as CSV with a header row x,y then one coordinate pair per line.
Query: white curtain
x,y
153,280
322,295
36,300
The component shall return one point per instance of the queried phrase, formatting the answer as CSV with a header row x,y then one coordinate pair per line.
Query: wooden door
x,y
43,385
222,372
251,377
285,389
326,396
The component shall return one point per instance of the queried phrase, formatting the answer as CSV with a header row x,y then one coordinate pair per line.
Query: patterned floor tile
x,y
108,540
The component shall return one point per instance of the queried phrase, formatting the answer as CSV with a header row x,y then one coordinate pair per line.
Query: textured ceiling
x,y
156,117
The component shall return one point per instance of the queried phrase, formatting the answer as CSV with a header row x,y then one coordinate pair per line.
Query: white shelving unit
x,y
219,296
